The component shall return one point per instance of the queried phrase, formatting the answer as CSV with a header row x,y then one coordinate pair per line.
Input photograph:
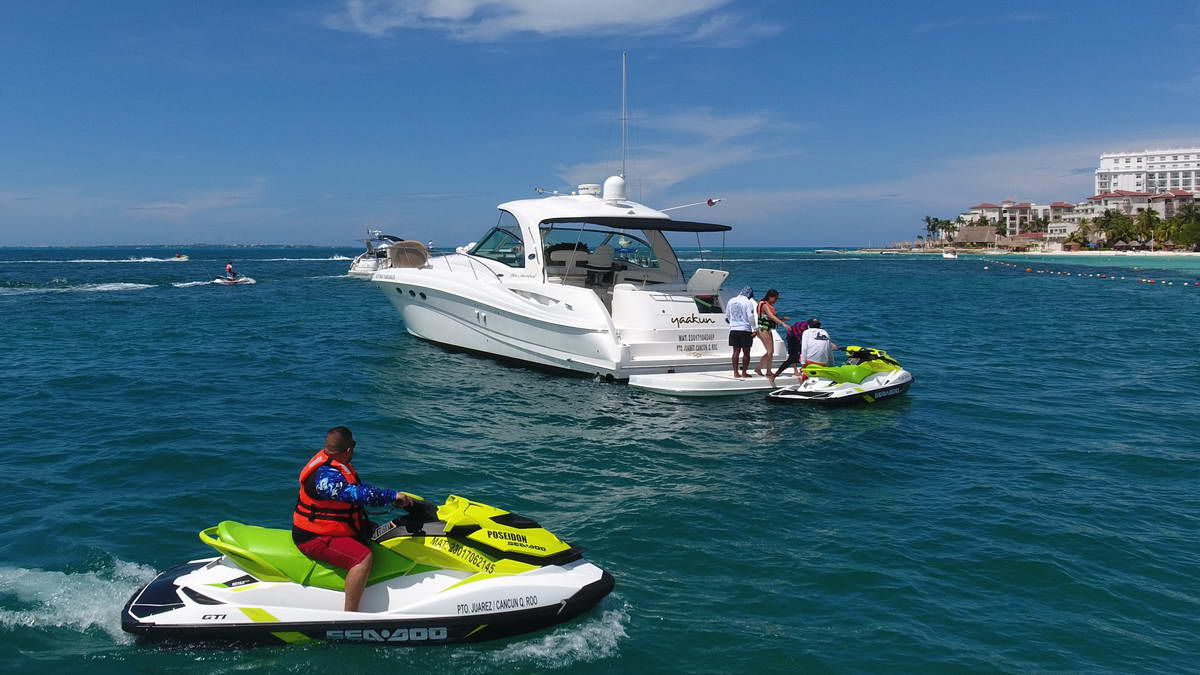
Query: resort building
x,y
1129,182
1169,202
1015,216
1149,170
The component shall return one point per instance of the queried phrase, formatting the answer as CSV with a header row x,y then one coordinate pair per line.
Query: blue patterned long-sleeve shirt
x,y
331,484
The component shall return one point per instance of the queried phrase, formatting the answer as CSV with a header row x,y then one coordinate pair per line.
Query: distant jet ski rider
x,y
229,272
329,524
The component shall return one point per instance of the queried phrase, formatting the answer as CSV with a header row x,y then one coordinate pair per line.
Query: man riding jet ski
x,y
232,277
869,375
463,571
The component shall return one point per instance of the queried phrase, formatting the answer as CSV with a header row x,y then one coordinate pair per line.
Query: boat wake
x,y
332,257
189,284
82,288
80,601
95,260
590,640
813,259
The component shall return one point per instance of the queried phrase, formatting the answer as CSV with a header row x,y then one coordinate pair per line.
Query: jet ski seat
x,y
854,374
270,555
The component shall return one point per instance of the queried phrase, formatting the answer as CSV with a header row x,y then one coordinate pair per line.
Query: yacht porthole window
x,y
412,293
422,295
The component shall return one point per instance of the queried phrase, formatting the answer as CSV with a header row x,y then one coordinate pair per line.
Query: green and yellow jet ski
x,y
458,572
869,375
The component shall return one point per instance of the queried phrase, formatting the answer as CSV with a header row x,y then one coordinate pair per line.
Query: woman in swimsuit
x,y
767,320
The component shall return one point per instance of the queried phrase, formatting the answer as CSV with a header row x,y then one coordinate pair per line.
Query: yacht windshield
x,y
502,244
626,248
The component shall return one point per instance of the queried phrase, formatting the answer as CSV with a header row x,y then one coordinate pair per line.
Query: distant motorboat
x,y
375,258
950,254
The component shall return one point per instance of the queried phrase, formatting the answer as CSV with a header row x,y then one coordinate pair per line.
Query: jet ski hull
x,y
459,572
209,625
842,395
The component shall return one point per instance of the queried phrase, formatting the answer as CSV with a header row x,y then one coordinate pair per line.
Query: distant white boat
x,y
827,250
375,258
950,254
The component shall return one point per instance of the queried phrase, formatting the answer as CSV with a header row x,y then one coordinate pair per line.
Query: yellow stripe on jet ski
x,y
292,637
480,576
258,615
481,627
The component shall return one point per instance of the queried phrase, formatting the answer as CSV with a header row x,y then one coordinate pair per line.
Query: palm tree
x,y
1145,224
930,228
1187,225
950,227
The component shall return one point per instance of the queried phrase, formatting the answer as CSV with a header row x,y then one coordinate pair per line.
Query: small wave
x,y
332,276
814,259
79,601
95,260
334,257
189,284
83,288
584,642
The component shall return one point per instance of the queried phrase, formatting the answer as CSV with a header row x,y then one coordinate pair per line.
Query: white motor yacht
x,y
950,254
585,282
375,258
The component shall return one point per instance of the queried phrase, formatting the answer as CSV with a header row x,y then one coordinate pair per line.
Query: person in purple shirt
x,y
794,351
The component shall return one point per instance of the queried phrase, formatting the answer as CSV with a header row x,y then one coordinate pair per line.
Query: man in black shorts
x,y
740,314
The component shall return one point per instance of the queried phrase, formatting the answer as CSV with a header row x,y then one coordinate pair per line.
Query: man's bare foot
x,y
771,379
758,372
745,374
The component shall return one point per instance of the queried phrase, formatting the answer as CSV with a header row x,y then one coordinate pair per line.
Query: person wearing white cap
x,y
741,315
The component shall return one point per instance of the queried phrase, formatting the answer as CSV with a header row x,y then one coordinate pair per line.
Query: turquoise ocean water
x,y
1031,505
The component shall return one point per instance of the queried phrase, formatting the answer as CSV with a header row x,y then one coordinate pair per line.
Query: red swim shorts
x,y
343,552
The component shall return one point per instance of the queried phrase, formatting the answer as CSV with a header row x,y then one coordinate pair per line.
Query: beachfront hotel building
x,y
1149,171
1128,182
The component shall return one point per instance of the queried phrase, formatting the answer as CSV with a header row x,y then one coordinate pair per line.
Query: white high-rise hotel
x,y
1149,170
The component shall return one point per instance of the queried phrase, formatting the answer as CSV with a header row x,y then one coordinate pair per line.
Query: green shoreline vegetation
x,y
1180,232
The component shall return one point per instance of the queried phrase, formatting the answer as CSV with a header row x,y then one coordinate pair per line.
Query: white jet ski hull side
x,y
215,601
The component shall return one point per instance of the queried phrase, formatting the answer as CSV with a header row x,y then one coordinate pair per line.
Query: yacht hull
x,y
553,327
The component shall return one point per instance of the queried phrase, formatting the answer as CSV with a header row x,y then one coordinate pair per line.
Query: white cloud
x,y
1187,85
203,201
949,24
703,122
733,30
1038,174
494,20
707,142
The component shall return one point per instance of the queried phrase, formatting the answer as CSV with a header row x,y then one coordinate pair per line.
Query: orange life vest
x,y
327,516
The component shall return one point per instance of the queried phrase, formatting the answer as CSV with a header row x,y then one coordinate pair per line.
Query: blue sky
x,y
819,123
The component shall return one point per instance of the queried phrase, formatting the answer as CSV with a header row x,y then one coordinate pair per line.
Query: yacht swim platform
x,y
709,383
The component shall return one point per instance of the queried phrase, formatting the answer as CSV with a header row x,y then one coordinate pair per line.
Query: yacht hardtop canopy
x,y
648,224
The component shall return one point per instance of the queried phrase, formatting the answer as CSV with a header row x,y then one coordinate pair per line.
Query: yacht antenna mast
x,y
624,113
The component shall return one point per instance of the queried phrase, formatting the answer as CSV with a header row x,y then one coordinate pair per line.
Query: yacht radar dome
x,y
614,189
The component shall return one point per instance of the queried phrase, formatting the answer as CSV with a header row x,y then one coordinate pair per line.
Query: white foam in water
x,y
78,601
189,284
335,257
807,260
568,645
84,288
109,287
94,260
